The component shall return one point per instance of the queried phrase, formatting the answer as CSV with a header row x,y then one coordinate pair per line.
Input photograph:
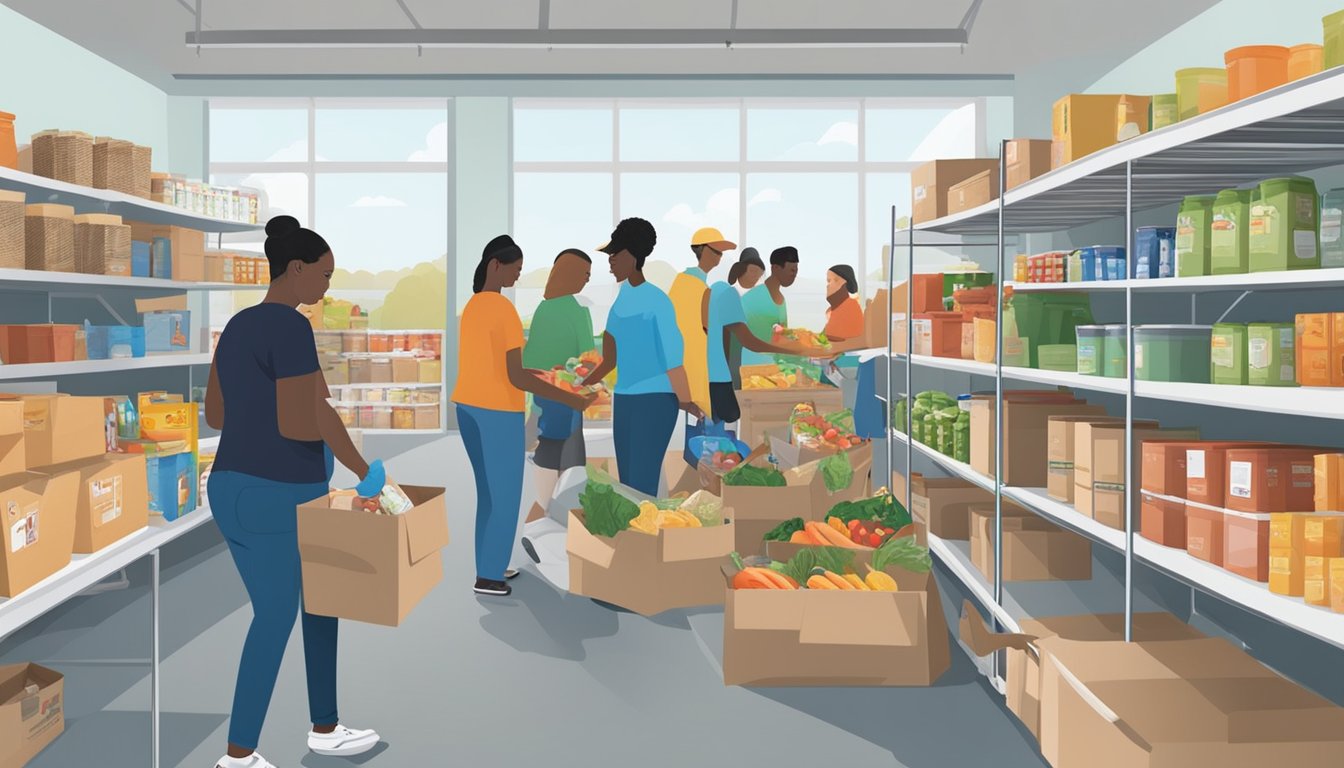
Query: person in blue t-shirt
x,y
278,438
651,384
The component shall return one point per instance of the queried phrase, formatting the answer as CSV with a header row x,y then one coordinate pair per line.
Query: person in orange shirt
x,y
491,381
844,318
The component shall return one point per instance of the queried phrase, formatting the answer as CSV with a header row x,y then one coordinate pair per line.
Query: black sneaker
x,y
492,587
511,574
531,550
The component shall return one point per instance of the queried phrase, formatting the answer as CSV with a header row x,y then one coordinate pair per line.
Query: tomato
x,y
729,463
831,433
843,443
863,531
581,371
874,540
853,524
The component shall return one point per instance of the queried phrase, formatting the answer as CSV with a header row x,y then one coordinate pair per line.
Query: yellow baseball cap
x,y
713,238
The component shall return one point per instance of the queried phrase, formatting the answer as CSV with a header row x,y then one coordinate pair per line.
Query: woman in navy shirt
x,y
278,437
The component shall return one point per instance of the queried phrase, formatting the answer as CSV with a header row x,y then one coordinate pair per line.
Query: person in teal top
x,y
764,305
561,329
728,325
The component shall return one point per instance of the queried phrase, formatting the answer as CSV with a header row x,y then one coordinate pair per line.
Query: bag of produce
x,y
705,507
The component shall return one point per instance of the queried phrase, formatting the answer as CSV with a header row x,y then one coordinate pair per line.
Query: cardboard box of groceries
x,y
60,428
1026,437
759,509
765,410
12,449
1026,159
39,528
32,711
112,500
814,637
649,573
372,567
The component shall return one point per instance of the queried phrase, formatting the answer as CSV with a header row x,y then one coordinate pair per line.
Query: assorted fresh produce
x,y
774,376
785,530
756,476
881,507
606,512
834,432
651,519
829,568
802,336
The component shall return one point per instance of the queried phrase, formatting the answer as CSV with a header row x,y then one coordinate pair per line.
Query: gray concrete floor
x,y
539,679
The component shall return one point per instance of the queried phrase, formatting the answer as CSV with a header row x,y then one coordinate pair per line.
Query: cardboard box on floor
x,y
1099,467
112,500
805,637
1023,669
1026,437
1168,703
60,428
943,504
1034,549
678,568
372,568
39,528
12,450
32,711
770,409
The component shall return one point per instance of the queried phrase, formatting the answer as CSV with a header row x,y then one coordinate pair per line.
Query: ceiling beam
x,y
577,38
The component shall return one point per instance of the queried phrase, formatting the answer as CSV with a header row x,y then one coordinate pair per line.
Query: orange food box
x,y
1271,479
1323,536
1286,571
1329,482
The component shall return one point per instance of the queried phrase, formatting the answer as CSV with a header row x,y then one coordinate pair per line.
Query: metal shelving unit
x,y
38,281
1295,128
83,367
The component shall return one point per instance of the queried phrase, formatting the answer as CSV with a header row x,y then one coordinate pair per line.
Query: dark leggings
x,y
642,427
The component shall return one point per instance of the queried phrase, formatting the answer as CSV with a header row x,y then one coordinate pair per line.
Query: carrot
x,y
838,581
803,537
828,536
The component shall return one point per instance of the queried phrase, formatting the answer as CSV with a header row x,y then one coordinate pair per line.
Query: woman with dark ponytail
x,y
491,381
278,437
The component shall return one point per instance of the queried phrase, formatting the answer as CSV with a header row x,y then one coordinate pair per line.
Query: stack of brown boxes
x,y
1099,467
931,182
943,505
1025,439
1034,549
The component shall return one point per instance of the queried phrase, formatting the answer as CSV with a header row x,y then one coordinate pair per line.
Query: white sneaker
x,y
342,742
253,760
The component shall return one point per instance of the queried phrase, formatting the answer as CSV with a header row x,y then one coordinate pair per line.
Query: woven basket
x,y
113,166
65,156
142,159
49,238
11,230
102,245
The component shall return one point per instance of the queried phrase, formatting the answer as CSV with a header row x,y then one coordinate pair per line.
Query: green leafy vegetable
x,y
801,565
737,562
785,530
605,511
884,508
904,553
752,475
837,471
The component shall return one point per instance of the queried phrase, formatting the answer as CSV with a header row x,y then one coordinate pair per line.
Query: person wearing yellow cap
x,y
690,299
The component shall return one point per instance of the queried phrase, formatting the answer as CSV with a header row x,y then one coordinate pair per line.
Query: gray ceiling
x,y
1009,37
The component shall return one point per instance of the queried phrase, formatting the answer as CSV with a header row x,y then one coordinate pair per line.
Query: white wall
x,y
50,82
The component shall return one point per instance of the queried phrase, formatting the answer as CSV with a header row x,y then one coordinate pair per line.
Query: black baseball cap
x,y
634,235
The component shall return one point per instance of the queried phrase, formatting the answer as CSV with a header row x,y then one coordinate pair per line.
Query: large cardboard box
x,y
759,509
1026,435
943,504
12,457
765,410
372,568
38,529
810,637
112,500
1099,467
1026,159
678,568
1060,455
1083,124
58,428
187,246
1023,667
930,182
1034,549
32,711
973,192
790,454
1169,703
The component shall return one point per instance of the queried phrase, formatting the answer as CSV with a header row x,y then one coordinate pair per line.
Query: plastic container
x,y
1227,355
1229,229
1154,252
1075,268
1284,229
1332,228
1193,236
1087,265
1058,357
1255,69
1172,353
1091,344
1334,39
1271,355
1200,90
1165,110
1115,361
1305,60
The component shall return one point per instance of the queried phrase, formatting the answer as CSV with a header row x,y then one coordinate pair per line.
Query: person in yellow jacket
x,y
690,300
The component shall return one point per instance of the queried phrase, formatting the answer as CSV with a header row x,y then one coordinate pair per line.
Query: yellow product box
x,y
1316,579
168,422
1286,571
1081,125
1329,481
1336,577
1287,530
1323,536
431,372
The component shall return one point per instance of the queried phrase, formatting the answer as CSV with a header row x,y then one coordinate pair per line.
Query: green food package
x,y
1193,236
1271,354
1227,354
961,444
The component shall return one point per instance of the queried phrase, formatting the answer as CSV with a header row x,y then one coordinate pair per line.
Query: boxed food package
x,y
219,267
677,568
1204,531
430,372
943,505
1061,432
168,331
1083,124
1286,571
39,528
1026,159
172,482
1246,544
371,567
1034,549
1025,438
12,230
361,371
112,498
405,370
60,428
1162,519
1177,703
973,192
12,451
1329,482
930,182
1271,479
1206,471
1320,342
766,410
1162,493
1323,536
49,237
1316,579
810,637
1099,468
32,711
179,243
1023,668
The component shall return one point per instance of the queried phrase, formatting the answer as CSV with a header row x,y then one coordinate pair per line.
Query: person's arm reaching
x,y
755,343
214,401
608,363
521,378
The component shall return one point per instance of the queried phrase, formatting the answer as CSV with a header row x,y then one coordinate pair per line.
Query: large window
x,y
821,175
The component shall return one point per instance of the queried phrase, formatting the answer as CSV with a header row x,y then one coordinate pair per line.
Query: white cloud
x,y
951,138
284,193
767,195
720,211
378,201
436,146
840,133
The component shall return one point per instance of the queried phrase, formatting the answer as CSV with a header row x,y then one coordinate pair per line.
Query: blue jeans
x,y
259,521
495,445
556,421
642,427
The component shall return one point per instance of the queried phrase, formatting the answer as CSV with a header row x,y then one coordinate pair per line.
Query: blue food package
x,y
172,484
168,331
141,253
162,258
